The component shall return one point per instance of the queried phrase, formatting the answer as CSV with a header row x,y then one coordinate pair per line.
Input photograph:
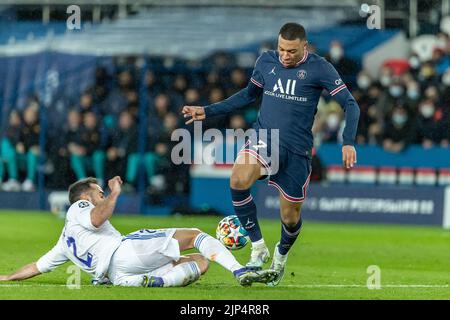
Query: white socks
x,y
258,244
181,275
213,250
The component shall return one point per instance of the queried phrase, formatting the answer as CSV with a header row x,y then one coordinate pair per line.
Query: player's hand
x,y
115,185
3,278
194,113
348,156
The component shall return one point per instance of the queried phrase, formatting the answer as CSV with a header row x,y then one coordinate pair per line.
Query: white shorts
x,y
144,252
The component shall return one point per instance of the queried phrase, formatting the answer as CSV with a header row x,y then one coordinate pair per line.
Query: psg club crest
x,y
301,74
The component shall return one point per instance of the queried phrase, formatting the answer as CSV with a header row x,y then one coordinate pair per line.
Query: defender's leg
x,y
213,250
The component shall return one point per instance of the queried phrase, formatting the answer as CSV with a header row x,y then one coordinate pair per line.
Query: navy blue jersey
x,y
290,98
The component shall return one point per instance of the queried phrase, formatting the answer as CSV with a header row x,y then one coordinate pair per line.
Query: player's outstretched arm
x,y
104,210
332,82
239,100
26,272
195,113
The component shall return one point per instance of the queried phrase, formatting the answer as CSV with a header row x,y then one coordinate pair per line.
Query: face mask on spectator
x,y
413,94
336,53
333,121
385,80
427,111
414,62
446,79
396,91
363,82
399,119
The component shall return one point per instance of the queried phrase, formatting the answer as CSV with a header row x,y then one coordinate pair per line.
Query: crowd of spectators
x,y
407,103
100,134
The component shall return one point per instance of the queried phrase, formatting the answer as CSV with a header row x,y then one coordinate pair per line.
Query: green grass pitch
x,y
329,261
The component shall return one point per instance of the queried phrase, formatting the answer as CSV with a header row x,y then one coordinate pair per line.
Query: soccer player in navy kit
x,y
291,81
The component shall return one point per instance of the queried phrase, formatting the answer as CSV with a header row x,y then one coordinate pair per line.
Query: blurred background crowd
x,y
97,133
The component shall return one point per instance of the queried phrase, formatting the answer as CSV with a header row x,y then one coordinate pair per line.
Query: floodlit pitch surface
x,y
329,261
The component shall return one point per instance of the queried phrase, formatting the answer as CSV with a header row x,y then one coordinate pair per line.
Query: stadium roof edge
x,y
280,3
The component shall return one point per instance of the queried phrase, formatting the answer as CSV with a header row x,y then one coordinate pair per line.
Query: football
x,y
231,233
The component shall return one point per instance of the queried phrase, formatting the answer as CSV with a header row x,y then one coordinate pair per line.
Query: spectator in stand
x,y
158,111
167,178
345,67
8,151
427,74
69,142
102,85
446,100
237,121
398,133
132,103
385,77
28,146
87,102
216,94
192,97
441,60
395,96
162,104
154,87
178,90
375,116
123,151
432,93
414,64
117,100
429,124
212,81
332,127
413,95
361,95
88,154
238,81
325,107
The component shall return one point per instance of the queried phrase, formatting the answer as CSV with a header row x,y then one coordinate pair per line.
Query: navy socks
x,y
288,236
245,209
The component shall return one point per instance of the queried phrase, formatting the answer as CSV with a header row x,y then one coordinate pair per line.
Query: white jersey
x,y
88,247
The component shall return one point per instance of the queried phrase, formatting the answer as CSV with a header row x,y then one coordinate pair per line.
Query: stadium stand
x,y
102,75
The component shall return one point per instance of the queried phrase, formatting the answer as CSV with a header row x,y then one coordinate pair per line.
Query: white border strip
x,y
446,213
299,286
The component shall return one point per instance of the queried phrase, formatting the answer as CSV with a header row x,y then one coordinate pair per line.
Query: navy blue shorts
x,y
289,172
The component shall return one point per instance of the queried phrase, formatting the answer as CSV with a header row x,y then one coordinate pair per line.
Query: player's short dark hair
x,y
292,31
78,188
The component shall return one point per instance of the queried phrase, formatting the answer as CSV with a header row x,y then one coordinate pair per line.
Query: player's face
x,y
291,51
97,194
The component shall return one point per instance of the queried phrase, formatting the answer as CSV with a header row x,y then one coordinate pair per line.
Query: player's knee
x,y
290,217
196,231
240,181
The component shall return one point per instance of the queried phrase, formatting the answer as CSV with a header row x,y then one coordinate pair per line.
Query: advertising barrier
x,y
340,203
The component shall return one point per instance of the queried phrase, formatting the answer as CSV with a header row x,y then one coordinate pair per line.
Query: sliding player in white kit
x,y
149,258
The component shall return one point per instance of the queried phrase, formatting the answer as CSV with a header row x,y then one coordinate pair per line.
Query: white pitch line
x,y
365,286
300,286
